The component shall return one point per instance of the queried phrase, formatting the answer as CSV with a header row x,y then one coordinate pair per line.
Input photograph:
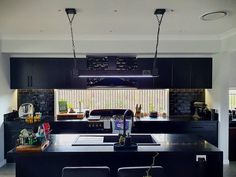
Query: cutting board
x,y
70,116
32,148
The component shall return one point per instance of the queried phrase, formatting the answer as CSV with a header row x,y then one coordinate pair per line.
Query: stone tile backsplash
x,y
181,100
42,99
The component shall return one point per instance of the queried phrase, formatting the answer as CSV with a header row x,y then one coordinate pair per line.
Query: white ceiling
x,y
96,18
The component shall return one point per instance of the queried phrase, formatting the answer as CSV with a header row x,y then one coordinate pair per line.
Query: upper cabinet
x,y
192,73
37,73
21,73
181,73
165,69
71,81
201,73
57,73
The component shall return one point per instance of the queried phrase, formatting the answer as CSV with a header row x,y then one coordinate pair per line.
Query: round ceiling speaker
x,y
214,15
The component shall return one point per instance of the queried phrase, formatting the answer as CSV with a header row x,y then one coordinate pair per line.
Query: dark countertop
x,y
232,123
144,119
177,152
62,143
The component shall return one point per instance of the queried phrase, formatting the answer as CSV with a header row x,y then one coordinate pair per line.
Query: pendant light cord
x,y
155,64
73,41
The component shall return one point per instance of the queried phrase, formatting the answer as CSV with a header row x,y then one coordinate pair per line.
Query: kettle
x,y
25,110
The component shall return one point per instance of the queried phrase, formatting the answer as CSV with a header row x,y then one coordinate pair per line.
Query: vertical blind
x,y
232,99
151,100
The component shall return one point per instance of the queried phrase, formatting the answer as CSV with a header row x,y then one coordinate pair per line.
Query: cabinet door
x,y
165,73
38,73
21,73
72,81
181,76
48,74
201,73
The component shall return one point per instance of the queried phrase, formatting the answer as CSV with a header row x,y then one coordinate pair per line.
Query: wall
x,y
180,45
5,98
224,73
218,97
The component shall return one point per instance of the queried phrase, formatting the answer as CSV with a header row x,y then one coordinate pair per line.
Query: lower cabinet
x,y
232,143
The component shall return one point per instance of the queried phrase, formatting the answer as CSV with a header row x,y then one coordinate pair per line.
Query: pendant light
x,y
159,13
71,12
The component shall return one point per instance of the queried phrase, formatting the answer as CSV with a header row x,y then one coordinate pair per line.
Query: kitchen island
x,y
178,154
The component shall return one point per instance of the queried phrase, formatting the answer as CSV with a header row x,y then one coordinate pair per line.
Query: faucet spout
x,y
124,124
125,142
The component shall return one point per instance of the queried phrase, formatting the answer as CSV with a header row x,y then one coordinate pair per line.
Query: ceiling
x,y
112,18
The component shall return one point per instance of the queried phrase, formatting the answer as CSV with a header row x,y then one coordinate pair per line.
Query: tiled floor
x,y
9,170
230,170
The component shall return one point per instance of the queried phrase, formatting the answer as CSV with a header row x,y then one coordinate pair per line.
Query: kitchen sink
x,y
109,140
134,138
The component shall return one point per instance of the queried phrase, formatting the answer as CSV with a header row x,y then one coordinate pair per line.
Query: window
x,y
232,99
151,100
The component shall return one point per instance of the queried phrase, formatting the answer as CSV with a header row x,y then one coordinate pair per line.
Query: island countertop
x,y
62,143
177,152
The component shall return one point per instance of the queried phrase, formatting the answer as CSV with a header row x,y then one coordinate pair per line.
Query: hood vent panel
x,y
116,72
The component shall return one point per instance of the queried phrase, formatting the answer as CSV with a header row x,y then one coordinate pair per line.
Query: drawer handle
x,y
197,127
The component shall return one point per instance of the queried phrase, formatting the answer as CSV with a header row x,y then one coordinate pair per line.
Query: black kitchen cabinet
x,y
48,74
232,143
181,74
165,69
71,80
201,73
38,73
192,73
163,80
52,73
21,73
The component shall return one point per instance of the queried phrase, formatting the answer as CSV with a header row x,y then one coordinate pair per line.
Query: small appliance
x,y
201,111
25,110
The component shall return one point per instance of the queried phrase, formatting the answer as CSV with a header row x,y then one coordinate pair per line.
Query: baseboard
x,y
2,163
226,162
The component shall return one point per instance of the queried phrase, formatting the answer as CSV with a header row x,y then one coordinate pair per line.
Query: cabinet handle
x,y
190,78
197,127
28,80
31,81
172,75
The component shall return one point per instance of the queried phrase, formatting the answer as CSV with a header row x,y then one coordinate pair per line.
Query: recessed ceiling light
x,y
214,15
